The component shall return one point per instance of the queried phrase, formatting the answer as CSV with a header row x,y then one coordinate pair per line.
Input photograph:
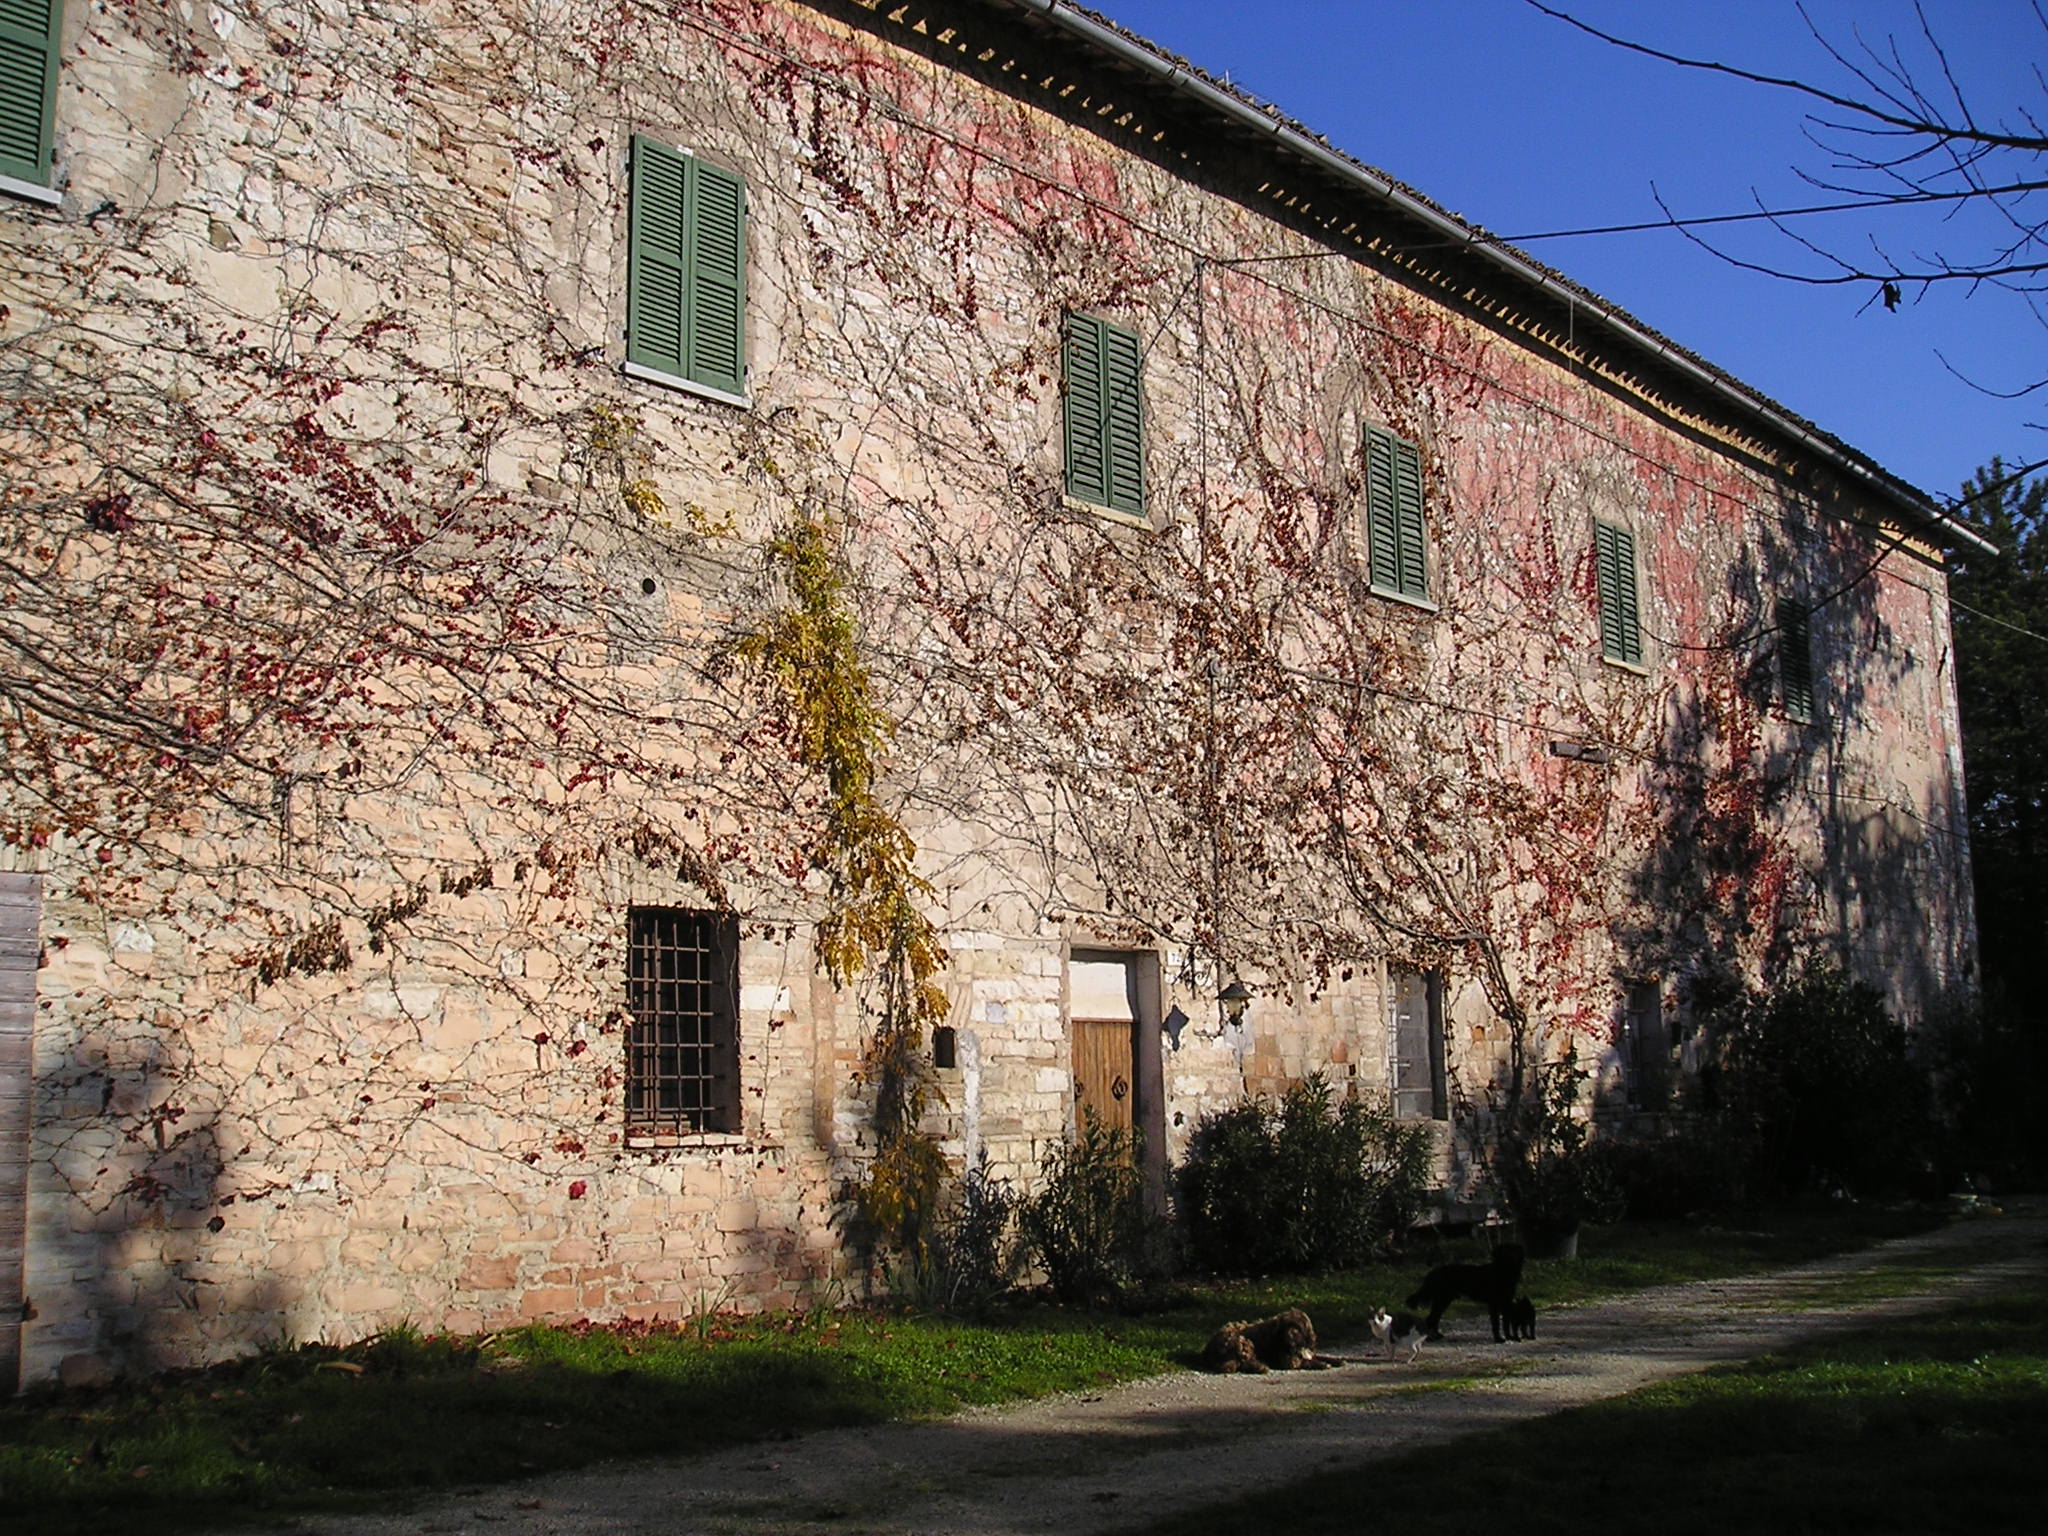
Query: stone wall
x,y
389,636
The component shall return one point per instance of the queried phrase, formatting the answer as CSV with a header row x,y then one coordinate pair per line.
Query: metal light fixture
x,y
1581,751
1234,999
1174,1022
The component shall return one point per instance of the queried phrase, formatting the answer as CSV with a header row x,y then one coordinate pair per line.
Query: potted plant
x,y
1548,1174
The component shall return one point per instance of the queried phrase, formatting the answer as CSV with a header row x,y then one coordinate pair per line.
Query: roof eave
x,y
1093,32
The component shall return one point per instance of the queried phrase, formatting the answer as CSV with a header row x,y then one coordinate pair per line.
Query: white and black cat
x,y
1398,1331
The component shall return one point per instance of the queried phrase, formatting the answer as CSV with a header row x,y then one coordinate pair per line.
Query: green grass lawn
x,y
321,1427
1932,1424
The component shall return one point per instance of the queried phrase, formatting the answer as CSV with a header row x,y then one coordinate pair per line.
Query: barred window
x,y
682,1055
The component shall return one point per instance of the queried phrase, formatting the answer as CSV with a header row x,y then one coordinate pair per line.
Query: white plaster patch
x,y
969,1046
764,999
133,939
416,1001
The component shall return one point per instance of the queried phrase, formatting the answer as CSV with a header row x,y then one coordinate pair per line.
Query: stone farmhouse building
x,y
541,541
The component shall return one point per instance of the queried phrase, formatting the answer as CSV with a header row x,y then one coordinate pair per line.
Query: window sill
x,y
1636,668
676,381
684,1141
1406,600
1107,514
30,191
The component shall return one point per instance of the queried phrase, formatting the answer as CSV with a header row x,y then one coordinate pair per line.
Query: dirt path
x,y
1120,1458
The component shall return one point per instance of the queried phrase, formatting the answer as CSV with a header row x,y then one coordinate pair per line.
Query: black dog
x,y
1493,1283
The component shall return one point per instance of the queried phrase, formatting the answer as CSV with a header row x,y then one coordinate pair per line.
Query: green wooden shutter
x,y
655,258
717,283
1621,632
1087,462
1382,534
28,87
1123,421
1795,659
1414,576
1105,416
1395,546
686,268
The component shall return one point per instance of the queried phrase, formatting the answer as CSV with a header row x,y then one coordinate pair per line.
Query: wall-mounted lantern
x,y
1234,998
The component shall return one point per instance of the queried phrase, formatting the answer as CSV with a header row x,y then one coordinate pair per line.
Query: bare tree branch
x,y
1895,115
1904,133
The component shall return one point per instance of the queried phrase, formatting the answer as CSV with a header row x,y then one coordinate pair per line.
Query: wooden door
x,y
1105,1075
1102,1016
20,945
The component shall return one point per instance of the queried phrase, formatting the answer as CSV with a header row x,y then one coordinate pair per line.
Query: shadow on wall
x,y
1782,840
152,1280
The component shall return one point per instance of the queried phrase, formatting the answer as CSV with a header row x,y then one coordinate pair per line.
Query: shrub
x,y
1694,1169
1814,1088
1994,1076
1542,1161
1085,1223
1300,1185
974,1251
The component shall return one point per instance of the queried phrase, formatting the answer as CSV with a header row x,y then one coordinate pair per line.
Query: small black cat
x,y
1520,1318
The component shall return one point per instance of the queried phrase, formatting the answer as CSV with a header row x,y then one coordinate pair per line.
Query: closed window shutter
x,y
1795,659
1123,421
1393,515
1105,417
1382,537
1621,634
1087,462
686,268
656,259
717,285
28,87
1408,518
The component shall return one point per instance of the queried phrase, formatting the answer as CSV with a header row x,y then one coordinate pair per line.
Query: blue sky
x,y
1523,125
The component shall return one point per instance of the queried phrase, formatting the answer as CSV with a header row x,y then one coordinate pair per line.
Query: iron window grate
x,y
681,1053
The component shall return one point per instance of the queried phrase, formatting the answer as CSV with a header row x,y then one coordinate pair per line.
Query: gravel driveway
x,y
1126,1456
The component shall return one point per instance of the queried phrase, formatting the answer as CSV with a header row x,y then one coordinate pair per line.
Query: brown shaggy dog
x,y
1493,1283
1285,1341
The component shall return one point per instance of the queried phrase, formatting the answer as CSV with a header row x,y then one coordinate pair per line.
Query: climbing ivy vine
x,y
873,922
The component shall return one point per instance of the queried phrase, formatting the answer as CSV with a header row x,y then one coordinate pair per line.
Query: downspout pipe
x,y
1108,40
